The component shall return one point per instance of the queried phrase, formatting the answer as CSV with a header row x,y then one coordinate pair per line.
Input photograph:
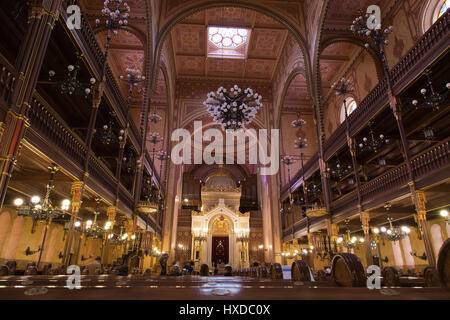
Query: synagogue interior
x,y
268,146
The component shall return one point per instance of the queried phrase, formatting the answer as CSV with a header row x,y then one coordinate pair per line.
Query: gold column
x,y
419,201
77,193
111,213
365,219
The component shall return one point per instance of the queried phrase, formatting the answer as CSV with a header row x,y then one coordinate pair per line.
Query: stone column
x,y
77,194
365,219
419,200
41,20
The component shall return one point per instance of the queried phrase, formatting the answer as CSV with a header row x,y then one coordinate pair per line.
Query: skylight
x,y
227,38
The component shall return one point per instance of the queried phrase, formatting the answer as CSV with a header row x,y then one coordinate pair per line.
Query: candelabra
x,y
71,85
232,110
392,233
432,99
373,143
299,122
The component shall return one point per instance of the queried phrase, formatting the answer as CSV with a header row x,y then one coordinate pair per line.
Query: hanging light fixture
x,y
378,36
129,163
108,136
301,143
71,85
349,242
428,133
373,143
39,209
234,109
431,99
444,214
339,171
299,122
92,228
154,117
391,233
116,15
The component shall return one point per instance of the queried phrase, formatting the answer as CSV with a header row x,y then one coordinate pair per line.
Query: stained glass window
x,y
227,38
445,6
351,106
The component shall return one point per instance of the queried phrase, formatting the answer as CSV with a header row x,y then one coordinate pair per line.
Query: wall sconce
x,y
422,257
29,252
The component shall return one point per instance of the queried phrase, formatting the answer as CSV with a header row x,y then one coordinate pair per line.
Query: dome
x,y
220,181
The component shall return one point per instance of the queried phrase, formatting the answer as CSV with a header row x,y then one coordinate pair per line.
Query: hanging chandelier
x,y
314,189
432,99
299,122
115,14
118,239
339,171
42,210
107,136
92,228
233,110
154,138
154,118
301,143
349,242
129,164
71,85
378,36
373,143
392,233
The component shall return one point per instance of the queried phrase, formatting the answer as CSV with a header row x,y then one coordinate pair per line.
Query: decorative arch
x,y
358,42
429,13
294,73
189,10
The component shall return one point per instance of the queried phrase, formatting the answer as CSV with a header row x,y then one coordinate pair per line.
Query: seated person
x,y
175,270
95,267
123,270
228,271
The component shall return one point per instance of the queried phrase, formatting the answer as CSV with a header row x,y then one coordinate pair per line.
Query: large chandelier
x,y
234,109
42,209
71,85
350,242
93,229
392,233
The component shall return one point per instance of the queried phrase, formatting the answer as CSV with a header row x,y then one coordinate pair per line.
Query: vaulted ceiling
x,y
191,44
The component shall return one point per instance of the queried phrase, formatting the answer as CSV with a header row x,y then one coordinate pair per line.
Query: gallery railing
x,y
432,44
8,76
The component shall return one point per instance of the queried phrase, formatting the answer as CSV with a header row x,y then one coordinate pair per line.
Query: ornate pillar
x,y
77,194
365,219
111,213
419,200
41,20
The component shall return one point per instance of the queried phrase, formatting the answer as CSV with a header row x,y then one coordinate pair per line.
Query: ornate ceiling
x,y
191,44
